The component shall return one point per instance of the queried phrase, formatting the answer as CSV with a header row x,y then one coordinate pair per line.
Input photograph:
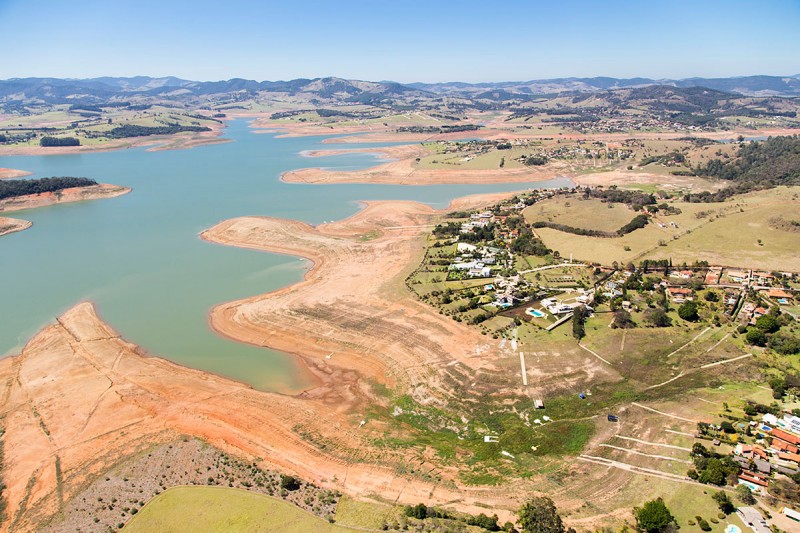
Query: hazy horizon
x,y
407,42
402,83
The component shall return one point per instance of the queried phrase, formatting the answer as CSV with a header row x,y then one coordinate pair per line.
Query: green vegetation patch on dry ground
x,y
94,125
120,493
577,212
640,363
214,509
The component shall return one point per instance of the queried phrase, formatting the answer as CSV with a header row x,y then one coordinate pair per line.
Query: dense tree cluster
x,y
325,113
724,501
711,467
672,158
658,318
639,221
59,141
422,511
450,229
479,234
132,130
535,160
622,320
528,244
758,165
290,482
13,188
447,128
688,311
766,332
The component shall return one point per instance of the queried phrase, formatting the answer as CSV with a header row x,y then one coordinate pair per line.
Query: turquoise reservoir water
x,y
140,260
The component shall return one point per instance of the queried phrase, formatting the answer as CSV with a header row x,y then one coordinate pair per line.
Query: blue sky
x,y
434,40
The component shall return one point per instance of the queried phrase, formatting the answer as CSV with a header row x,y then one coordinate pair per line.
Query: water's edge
x,y
139,258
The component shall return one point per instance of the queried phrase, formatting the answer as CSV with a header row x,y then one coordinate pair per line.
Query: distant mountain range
x,y
93,90
746,85
319,90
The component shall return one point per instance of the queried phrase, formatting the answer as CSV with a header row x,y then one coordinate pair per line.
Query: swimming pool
x,y
534,312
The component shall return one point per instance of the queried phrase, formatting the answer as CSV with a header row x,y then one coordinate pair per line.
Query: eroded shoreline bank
x,y
63,196
111,396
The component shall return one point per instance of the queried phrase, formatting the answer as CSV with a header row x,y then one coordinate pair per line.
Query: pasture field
x,y
72,123
58,117
725,233
746,236
475,161
214,509
577,212
444,156
369,515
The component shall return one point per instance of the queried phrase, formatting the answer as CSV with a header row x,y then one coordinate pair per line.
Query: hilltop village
x,y
494,270
490,266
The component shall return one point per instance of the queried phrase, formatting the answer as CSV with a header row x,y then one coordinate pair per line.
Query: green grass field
x,y
72,124
215,509
724,233
577,212
365,515
734,238
482,157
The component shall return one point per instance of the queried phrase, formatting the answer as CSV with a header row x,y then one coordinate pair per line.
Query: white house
x,y
464,247
792,423
465,266
480,271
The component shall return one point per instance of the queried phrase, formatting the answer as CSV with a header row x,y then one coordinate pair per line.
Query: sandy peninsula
x,y
402,170
7,173
72,194
401,167
10,225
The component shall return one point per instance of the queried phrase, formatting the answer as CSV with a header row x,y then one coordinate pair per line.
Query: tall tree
x,y
539,515
653,517
578,319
